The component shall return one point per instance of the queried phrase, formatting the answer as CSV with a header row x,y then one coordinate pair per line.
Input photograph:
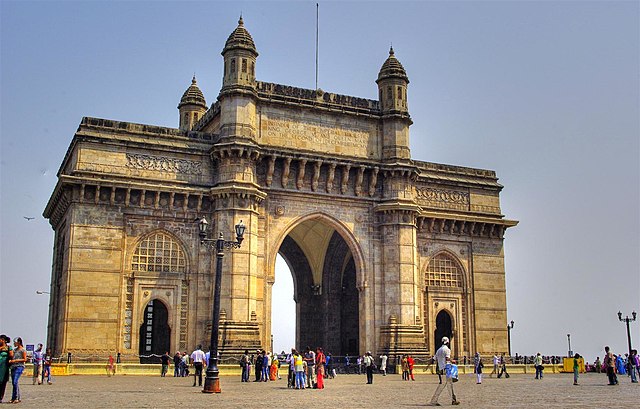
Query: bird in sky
x,y
28,218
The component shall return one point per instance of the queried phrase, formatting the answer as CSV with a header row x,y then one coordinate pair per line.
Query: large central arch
x,y
325,263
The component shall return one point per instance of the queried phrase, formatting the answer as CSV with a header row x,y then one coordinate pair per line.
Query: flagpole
x,y
317,19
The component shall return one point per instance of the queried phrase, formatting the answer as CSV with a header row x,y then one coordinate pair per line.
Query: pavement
x,y
343,392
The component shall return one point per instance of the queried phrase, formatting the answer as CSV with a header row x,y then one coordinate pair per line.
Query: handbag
x,y
452,372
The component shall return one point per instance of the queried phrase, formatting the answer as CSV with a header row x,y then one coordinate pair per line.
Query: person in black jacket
x,y
258,365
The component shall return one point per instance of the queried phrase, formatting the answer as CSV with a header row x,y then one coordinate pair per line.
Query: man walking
x,y
197,360
443,356
610,363
165,359
38,363
496,362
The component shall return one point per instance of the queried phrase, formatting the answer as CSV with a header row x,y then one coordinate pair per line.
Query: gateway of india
x,y
387,253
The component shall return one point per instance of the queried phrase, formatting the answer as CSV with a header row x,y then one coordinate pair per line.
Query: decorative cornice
x,y
464,225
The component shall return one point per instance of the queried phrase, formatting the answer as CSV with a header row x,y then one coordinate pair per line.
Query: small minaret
x,y
392,90
239,59
192,106
238,96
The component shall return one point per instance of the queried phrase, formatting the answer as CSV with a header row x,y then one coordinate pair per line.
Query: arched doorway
x,y
155,333
443,328
325,293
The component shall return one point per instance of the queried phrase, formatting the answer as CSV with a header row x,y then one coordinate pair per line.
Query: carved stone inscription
x,y
316,136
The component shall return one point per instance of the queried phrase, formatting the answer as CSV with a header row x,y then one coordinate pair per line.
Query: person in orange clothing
x,y
321,360
410,364
273,370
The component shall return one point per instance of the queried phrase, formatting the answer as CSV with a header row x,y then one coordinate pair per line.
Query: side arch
x,y
446,290
156,268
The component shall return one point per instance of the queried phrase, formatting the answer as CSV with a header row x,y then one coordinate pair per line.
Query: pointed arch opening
x,y
445,286
444,327
155,332
324,269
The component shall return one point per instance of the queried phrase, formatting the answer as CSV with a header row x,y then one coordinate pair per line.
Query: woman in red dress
x,y
410,363
321,360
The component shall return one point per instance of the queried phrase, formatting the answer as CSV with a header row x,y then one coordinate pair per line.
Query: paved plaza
x,y
344,392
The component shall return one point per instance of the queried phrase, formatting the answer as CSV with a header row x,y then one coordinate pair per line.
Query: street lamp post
x,y
569,341
212,380
509,328
628,320
40,292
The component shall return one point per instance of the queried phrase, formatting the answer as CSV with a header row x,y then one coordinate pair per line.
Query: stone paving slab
x,y
345,392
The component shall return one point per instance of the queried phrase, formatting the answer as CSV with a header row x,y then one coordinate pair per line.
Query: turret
x,y
238,94
192,106
392,85
239,58
392,90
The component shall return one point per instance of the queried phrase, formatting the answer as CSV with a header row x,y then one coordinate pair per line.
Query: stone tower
x,y
401,331
192,106
236,192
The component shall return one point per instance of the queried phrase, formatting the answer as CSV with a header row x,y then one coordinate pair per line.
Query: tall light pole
x,y
569,341
628,320
509,328
212,380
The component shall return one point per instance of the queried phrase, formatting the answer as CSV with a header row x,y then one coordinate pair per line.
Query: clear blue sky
x,y
544,93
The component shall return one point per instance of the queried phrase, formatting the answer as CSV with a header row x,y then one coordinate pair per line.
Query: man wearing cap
x,y
369,365
443,356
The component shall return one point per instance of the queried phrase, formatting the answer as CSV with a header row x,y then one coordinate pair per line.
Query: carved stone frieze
x,y
443,198
163,164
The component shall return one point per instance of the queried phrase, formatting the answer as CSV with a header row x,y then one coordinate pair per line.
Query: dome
x,y
193,96
392,68
240,39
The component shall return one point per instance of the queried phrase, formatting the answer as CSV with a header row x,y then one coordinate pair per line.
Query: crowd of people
x,y
310,368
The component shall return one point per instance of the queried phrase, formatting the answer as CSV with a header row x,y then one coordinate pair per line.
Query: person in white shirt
x,y
443,356
383,364
197,360
496,365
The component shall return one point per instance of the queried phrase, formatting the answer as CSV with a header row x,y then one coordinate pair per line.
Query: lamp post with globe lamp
x,y
219,245
627,320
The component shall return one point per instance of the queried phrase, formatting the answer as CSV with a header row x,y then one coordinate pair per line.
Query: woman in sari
x,y
321,360
6,354
273,371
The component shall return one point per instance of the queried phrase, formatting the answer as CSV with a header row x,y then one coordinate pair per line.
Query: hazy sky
x,y
544,93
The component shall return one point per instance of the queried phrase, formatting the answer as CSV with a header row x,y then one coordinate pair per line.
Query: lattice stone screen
x,y
443,271
160,253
